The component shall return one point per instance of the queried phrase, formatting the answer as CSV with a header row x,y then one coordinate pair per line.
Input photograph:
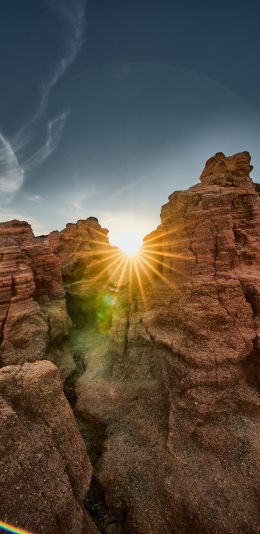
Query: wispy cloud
x,y
34,198
11,172
73,13
77,206
79,202
54,130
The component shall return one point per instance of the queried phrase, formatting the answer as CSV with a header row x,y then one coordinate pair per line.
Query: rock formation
x,y
32,304
80,247
172,402
45,473
165,377
86,259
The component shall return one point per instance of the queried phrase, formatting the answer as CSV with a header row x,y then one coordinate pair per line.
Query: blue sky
x,y
107,107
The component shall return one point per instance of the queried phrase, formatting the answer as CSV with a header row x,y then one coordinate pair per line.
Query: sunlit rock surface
x,y
161,365
45,473
173,403
32,305
77,247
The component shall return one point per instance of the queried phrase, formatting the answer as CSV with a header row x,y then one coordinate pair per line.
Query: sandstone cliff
x,y
45,471
32,304
164,382
172,401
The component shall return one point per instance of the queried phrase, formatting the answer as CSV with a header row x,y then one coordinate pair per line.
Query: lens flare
x,y
5,527
129,244
130,266
130,249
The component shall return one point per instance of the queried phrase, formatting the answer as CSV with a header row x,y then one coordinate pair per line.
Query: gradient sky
x,y
108,106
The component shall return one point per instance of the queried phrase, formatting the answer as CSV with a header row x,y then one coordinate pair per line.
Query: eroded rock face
x,y
86,260
176,395
165,376
228,170
32,304
45,473
77,246
210,243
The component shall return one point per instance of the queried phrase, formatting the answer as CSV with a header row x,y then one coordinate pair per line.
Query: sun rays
x,y
160,262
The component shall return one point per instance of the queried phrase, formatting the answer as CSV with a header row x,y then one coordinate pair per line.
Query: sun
x,y
130,251
134,264
130,245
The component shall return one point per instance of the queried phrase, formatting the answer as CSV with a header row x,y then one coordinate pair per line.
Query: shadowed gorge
x,y
129,386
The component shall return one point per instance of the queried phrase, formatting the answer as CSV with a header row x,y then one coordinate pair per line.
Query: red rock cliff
x,y
44,468
179,400
32,304
166,386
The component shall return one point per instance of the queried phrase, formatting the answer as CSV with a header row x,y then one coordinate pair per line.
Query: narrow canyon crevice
x,y
86,339
158,358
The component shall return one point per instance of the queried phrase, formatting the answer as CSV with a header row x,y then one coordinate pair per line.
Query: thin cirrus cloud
x,y
54,131
73,14
12,172
34,198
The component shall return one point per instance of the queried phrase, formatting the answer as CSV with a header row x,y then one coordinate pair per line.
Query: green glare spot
x,y
108,300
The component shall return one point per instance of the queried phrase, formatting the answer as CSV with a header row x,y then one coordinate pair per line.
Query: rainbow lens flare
x,y
10,528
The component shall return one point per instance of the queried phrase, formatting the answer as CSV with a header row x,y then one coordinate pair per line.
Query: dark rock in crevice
x,y
95,503
94,435
251,368
106,521
253,299
69,386
81,311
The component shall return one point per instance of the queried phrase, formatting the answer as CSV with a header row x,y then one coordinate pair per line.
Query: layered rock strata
x,y
173,402
165,377
32,304
78,247
45,471
86,260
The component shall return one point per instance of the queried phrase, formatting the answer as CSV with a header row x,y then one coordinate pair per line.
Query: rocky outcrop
x,y
45,473
87,261
32,305
228,170
174,403
78,246
209,246
165,377
45,470
209,241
